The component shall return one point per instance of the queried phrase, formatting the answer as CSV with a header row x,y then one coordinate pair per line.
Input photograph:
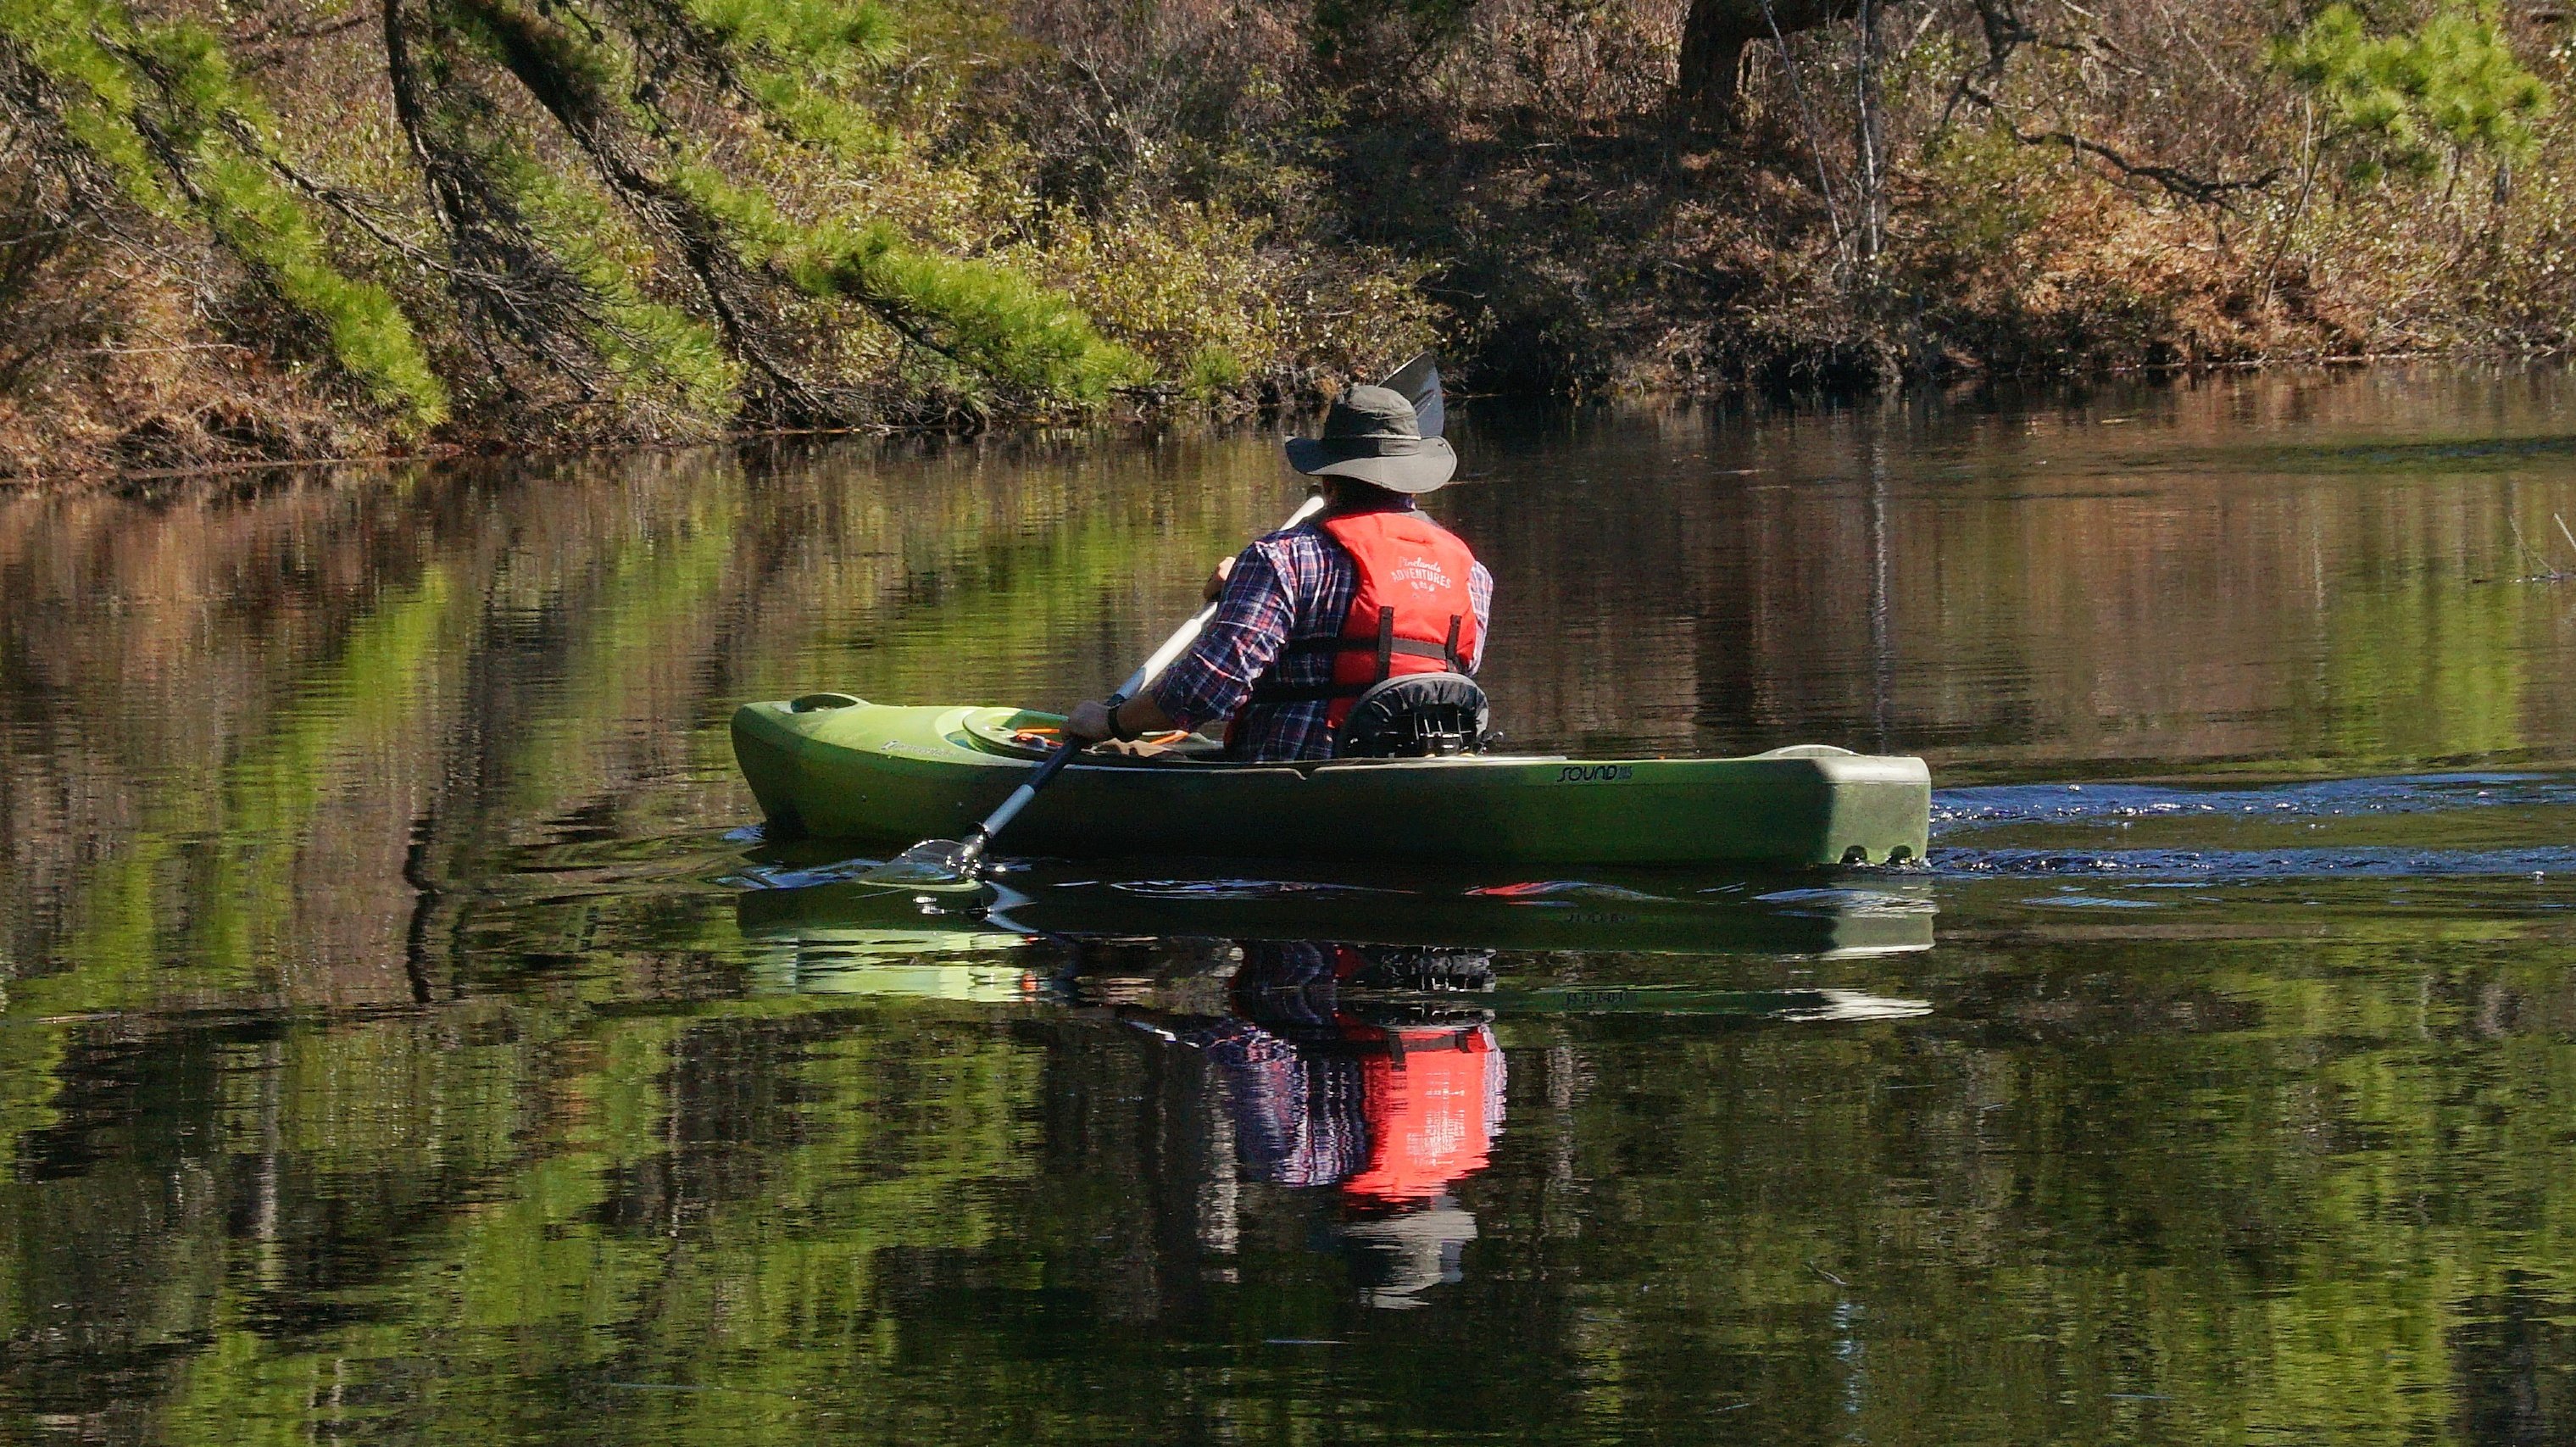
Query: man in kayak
x,y
1310,618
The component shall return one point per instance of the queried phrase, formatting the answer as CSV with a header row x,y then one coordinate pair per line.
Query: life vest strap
x,y
1272,695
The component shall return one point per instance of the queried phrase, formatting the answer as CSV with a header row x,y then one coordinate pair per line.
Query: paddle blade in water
x,y
936,864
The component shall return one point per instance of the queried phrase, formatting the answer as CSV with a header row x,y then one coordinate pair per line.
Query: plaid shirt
x,y
1287,587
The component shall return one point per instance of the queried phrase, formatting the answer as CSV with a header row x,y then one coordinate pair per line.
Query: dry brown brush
x,y
312,227
1857,192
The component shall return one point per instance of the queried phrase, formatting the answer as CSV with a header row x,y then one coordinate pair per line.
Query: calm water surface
x,y
409,1036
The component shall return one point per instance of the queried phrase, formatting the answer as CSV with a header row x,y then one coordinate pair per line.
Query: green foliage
x,y
1213,372
814,117
2400,100
1214,298
644,342
264,225
987,317
997,325
825,39
761,218
652,218
574,79
982,315
165,93
67,42
1997,185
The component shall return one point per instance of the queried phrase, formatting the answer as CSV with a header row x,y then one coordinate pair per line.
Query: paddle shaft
x,y
972,854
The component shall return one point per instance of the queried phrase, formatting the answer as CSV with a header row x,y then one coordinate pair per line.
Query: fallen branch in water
x,y
2549,572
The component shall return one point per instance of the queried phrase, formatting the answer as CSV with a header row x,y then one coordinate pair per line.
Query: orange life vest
x,y
1411,613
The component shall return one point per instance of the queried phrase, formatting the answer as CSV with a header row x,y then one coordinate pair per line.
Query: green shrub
x,y
2397,101
159,108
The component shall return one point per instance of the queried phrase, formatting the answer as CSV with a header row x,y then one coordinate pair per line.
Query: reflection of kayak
x,y
822,958
814,950
1580,919
1815,1004
831,766
1897,916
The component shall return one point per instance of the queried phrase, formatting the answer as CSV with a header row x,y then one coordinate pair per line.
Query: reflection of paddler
x,y
1396,1256
1427,1094
1394,1101
1434,1098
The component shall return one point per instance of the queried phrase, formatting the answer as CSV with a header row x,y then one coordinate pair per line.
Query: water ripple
x,y
2214,865
1566,892
1211,889
1954,810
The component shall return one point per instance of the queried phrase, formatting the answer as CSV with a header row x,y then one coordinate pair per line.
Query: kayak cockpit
x,y
1019,733
1013,733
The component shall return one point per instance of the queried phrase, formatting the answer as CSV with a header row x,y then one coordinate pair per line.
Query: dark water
x,y
407,1036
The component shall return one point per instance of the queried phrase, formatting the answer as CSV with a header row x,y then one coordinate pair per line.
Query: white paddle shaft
x,y
1146,672
1000,819
1161,658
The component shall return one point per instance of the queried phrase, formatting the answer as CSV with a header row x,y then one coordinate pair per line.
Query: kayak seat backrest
x,y
1416,715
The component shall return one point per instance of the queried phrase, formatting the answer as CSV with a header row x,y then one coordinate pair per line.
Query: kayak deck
x,y
833,766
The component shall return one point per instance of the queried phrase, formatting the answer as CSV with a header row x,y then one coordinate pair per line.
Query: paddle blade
x,y
1419,381
937,865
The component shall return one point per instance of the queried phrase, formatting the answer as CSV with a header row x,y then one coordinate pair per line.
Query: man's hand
x,y
1088,723
1215,588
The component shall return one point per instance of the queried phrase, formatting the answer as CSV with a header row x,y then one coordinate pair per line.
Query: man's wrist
x,y
1080,726
1118,724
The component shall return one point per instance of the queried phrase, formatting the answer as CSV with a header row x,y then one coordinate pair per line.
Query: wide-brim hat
x,y
1371,435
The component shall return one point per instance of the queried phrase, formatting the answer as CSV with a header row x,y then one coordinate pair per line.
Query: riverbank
x,y
541,229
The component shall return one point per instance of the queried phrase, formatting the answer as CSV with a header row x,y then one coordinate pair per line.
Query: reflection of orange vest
x,y
1433,1103
1412,612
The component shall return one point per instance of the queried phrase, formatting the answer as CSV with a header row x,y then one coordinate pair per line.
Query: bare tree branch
x,y
2199,190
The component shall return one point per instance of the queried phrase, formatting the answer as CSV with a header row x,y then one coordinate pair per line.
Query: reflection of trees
x,y
256,733
303,751
294,762
2161,591
2285,1192
237,1214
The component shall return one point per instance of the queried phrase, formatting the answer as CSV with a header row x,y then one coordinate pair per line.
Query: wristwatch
x,y
1118,730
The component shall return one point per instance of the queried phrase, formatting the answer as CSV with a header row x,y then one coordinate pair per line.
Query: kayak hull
x,y
833,767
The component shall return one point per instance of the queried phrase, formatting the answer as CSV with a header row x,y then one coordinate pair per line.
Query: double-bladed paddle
x,y
952,864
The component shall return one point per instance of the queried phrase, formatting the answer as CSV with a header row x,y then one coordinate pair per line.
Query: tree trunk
x,y
1714,38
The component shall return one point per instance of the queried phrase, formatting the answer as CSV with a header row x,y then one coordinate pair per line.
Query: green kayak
x,y
832,766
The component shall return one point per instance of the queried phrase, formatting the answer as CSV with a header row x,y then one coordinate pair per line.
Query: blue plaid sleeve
x,y
1239,644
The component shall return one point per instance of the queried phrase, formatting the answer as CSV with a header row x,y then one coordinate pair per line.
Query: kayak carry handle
x,y
817,702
